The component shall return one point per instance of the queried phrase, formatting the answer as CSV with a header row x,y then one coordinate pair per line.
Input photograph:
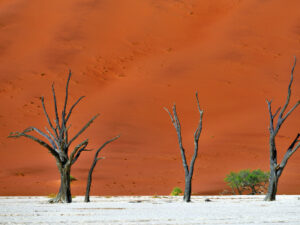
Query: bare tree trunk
x,y
188,171
187,189
89,181
239,191
275,168
272,189
64,194
253,190
58,142
96,159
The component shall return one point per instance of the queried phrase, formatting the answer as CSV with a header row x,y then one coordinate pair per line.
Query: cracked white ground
x,y
160,210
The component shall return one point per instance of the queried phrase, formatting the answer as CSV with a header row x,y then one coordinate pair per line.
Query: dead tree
x,y
189,170
89,180
277,169
59,142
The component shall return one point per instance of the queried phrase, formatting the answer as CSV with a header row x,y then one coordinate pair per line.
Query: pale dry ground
x,y
152,210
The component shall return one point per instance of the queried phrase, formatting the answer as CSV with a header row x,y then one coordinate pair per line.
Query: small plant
x,y
52,195
176,191
72,178
246,180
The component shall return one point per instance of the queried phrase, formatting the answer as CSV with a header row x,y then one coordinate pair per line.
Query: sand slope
x,y
130,59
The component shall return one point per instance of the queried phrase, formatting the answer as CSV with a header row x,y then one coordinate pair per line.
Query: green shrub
x,y
246,180
72,178
176,191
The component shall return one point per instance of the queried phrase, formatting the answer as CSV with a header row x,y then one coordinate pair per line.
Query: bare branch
x,y
290,151
100,158
277,111
96,159
277,169
178,130
63,114
47,116
271,115
77,148
55,108
199,129
82,149
188,170
289,112
82,130
196,137
198,105
106,143
289,90
45,136
73,106
169,115
44,144
66,134
53,138
66,98
292,147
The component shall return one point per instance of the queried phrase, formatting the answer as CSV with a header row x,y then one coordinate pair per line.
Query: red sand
x,y
130,58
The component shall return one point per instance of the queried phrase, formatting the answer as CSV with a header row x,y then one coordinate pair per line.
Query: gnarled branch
x,y
44,144
187,169
277,169
96,159
83,129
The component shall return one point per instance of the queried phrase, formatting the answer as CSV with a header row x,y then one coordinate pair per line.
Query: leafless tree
x,y
189,170
277,169
89,180
59,142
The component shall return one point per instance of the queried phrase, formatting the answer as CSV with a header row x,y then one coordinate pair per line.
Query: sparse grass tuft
x,y
52,195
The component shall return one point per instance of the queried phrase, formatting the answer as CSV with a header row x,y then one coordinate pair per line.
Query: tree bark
x,y
59,143
277,169
253,190
272,189
64,194
89,181
187,189
188,170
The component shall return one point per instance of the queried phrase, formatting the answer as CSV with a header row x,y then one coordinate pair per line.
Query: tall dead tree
x,y
96,159
188,170
59,142
275,168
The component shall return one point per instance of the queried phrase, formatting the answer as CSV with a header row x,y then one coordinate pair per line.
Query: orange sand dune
x,y
130,58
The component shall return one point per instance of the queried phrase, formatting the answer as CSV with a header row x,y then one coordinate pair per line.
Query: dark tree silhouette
x,y
189,170
89,180
59,142
277,169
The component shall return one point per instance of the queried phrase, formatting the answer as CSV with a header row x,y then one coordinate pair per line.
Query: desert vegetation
x,y
247,181
176,191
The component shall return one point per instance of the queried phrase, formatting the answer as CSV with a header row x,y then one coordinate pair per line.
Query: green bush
x,y
176,191
72,178
246,180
